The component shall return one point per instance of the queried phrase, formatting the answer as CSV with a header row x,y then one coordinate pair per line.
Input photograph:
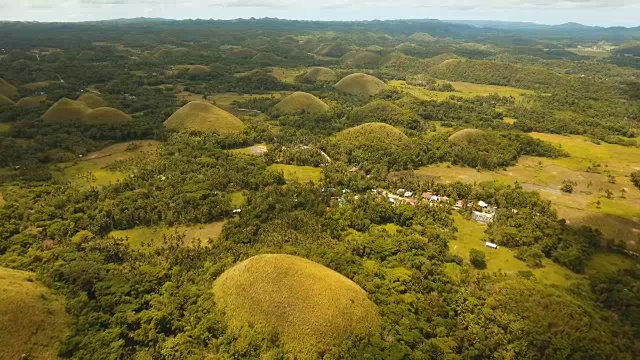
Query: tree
x,y
635,178
608,193
611,179
478,259
567,186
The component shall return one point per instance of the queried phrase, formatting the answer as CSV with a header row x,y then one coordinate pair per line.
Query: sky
x,y
588,12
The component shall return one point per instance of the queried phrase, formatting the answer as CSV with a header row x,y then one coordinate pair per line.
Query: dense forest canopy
x,y
475,191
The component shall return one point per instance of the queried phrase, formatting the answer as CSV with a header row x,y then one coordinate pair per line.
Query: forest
x,y
373,150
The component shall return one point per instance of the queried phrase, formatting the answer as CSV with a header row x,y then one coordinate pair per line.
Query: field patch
x,y
4,128
91,169
299,173
463,89
31,318
153,236
471,235
254,150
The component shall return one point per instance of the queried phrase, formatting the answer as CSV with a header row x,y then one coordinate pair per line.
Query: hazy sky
x,y
590,12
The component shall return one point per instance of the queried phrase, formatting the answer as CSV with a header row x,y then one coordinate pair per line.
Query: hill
x,y
466,136
385,112
7,89
301,101
361,59
311,307
242,53
265,59
5,101
66,109
370,134
198,70
106,116
332,50
92,101
31,102
31,318
360,84
203,116
320,74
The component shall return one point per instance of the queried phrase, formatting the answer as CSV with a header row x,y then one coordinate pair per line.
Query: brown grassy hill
x,y
267,59
321,74
311,307
32,320
360,85
332,50
106,116
66,109
301,101
467,136
242,53
385,112
31,102
92,101
203,116
7,89
361,59
5,101
198,70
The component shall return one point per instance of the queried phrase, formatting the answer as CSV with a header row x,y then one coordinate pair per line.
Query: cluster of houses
x,y
485,214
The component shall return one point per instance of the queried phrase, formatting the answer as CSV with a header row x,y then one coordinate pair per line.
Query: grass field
x,y
589,52
153,236
90,170
618,218
2,201
300,173
253,150
238,199
4,128
286,75
463,89
471,236
311,307
32,320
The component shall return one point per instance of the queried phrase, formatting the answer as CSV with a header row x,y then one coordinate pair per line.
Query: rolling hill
x,y
106,116
203,116
311,307
301,101
360,84
66,109
5,101
92,101
7,89
320,74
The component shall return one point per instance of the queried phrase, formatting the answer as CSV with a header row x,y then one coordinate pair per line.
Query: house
x,y
483,204
434,198
237,211
401,191
460,204
481,217
408,194
491,245
426,195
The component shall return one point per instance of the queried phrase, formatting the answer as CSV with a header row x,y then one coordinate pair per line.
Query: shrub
x,y
478,259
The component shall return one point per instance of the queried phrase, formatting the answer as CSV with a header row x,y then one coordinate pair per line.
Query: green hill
x,y
92,101
385,112
321,74
370,134
198,70
360,84
301,101
361,59
31,318
66,109
5,101
265,59
467,136
332,50
106,116
203,116
242,53
31,102
7,89
311,307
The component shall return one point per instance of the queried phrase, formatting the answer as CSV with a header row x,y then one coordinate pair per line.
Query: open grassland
x,y
299,173
311,307
471,236
287,75
2,201
153,236
91,171
238,199
4,128
463,89
596,53
253,150
32,320
618,218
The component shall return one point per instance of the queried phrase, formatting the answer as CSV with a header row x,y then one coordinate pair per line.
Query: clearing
x,y
31,318
91,169
196,234
464,89
299,173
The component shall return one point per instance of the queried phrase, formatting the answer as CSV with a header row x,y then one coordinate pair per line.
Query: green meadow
x,y
299,173
141,236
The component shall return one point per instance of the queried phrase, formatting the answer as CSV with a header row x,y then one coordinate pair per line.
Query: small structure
x,y
354,169
483,204
481,217
237,211
434,198
459,204
491,245
408,194
401,191
426,195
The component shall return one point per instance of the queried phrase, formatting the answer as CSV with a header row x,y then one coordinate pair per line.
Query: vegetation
x,y
203,116
301,102
310,307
